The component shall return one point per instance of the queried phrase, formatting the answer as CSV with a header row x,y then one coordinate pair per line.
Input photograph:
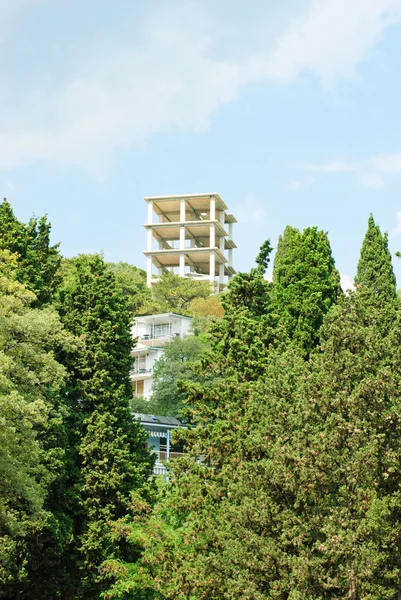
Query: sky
x,y
289,110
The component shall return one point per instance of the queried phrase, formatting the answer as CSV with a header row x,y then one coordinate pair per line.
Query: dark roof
x,y
157,420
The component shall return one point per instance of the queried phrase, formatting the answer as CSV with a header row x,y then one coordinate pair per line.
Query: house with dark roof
x,y
159,429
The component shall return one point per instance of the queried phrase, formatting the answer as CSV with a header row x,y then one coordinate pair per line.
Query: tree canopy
x,y
173,293
37,261
289,487
306,284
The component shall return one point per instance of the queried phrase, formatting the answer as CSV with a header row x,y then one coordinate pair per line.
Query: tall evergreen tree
x,y
375,280
108,458
305,284
37,260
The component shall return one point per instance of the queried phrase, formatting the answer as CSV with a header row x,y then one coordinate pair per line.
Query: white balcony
x,y
158,330
158,337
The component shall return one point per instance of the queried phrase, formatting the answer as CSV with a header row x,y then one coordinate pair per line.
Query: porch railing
x,y
140,370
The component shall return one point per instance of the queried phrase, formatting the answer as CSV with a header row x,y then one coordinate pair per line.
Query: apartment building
x,y
153,332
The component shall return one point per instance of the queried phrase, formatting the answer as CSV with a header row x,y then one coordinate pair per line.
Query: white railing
x,y
140,370
161,456
158,332
159,469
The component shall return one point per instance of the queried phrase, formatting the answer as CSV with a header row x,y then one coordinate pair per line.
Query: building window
x,y
161,330
139,388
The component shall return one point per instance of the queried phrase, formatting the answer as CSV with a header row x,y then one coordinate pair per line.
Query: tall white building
x,y
190,235
153,332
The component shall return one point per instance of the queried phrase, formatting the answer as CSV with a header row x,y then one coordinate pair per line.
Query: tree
x,y
306,284
375,280
240,344
31,451
37,260
204,312
263,258
209,308
132,283
174,294
109,461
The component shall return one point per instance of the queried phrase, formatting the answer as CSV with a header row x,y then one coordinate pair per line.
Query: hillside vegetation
x,y
290,488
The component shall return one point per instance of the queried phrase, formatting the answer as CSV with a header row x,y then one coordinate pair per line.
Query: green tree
x,y
37,260
306,284
297,491
31,411
174,367
240,343
375,280
174,294
132,283
109,461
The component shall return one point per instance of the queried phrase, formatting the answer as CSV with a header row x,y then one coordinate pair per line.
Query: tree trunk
x,y
352,586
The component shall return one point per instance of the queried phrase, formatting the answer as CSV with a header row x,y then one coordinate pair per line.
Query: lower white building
x,y
153,332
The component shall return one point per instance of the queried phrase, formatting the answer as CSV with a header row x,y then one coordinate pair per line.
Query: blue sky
x,y
289,110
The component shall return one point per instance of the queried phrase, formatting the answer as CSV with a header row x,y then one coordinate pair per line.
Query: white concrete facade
x,y
190,235
153,332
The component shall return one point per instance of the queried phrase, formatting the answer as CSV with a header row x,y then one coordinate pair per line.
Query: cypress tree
x,y
108,461
375,280
240,345
305,284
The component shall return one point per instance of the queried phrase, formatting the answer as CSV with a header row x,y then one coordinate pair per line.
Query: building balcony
x,y
139,373
157,338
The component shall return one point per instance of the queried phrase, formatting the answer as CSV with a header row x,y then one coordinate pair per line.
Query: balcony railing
x,y
146,337
161,456
139,370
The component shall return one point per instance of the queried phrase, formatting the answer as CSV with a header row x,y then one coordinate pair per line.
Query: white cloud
x,y
130,95
371,180
389,163
334,167
332,38
172,75
347,282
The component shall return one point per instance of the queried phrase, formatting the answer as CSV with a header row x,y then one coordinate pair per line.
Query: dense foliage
x,y
173,293
296,494
306,284
291,394
74,459
132,283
